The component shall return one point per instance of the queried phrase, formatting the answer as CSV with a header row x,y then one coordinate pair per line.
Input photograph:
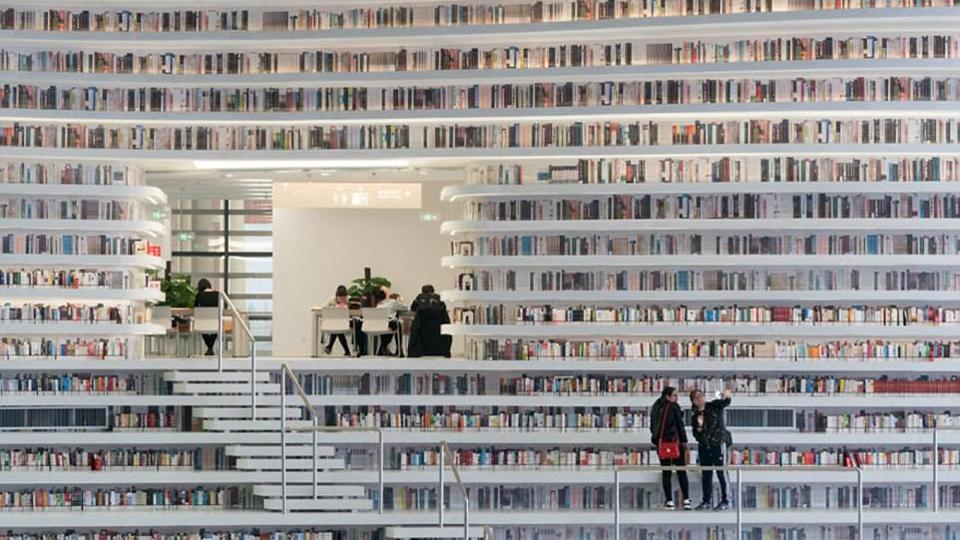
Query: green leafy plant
x,y
178,291
362,287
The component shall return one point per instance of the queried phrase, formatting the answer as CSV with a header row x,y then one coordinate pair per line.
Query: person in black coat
x,y
429,313
666,423
207,297
712,437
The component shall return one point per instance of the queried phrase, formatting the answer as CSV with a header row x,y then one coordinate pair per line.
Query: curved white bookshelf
x,y
78,329
780,69
150,229
726,25
536,189
81,294
704,261
84,399
703,330
134,477
146,194
703,225
705,297
717,112
84,261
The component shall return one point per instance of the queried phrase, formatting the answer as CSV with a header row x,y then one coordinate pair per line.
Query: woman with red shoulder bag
x,y
669,437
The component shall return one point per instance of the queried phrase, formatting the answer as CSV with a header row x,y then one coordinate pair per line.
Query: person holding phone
x,y
713,438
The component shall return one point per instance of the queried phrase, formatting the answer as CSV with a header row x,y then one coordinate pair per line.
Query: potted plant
x,y
178,293
362,288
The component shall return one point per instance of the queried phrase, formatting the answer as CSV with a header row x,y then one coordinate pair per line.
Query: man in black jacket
x,y
712,436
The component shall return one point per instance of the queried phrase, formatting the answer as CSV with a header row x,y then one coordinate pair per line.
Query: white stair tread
x,y
253,425
223,388
244,412
293,464
319,504
300,490
213,376
274,451
450,531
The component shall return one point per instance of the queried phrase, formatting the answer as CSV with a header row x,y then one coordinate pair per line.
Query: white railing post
x,y
253,381
440,486
616,504
283,440
316,493
859,503
739,503
219,331
936,470
466,518
380,455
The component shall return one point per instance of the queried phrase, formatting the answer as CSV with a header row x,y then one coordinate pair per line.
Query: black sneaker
x,y
724,505
705,505
687,505
669,506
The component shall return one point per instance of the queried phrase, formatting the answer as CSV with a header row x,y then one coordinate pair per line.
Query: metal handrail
x,y
285,372
445,451
238,321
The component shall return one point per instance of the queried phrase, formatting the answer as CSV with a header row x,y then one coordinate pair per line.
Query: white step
x,y
244,412
450,531
300,490
274,451
319,504
293,464
253,425
223,388
213,376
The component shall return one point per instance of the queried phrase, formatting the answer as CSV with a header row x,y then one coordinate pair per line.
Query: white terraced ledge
x,y
838,225
82,294
253,425
301,490
726,25
704,330
147,194
699,297
273,450
83,261
739,70
576,190
244,412
151,229
703,112
459,156
293,464
217,388
58,328
432,532
704,261
319,505
213,376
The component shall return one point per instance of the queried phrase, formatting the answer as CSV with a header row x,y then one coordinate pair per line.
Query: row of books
x,y
880,422
148,534
56,347
128,419
820,314
721,170
274,20
534,135
718,206
709,350
77,459
491,96
86,498
74,244
41,313
81,383
719,244
119,418
24,208
65,278
56,172
903,458
566,55
850,279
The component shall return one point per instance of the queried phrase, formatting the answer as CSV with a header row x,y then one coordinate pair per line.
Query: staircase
x,y
302,494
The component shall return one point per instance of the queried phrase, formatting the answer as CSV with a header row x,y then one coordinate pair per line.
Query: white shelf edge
x,y
704,296
148,194
78,329
84,293
151,229
703,261
83,261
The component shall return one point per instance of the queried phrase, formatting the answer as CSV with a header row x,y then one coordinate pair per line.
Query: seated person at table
x,y
339,300
429,313
393,305
207,297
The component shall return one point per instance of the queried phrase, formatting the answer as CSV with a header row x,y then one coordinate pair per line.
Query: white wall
x,y
314,250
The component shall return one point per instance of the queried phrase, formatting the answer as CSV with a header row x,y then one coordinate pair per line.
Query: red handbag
x,y
667,450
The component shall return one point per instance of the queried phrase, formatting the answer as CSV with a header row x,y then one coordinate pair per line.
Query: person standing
x,y
713,438
669,437
207,296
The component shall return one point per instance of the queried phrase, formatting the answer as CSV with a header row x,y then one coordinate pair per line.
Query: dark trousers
x,y
209,340
712,456
342,338
681,477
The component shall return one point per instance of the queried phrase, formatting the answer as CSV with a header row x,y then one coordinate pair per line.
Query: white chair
x,y
205,321
163,316
335,321
376,324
